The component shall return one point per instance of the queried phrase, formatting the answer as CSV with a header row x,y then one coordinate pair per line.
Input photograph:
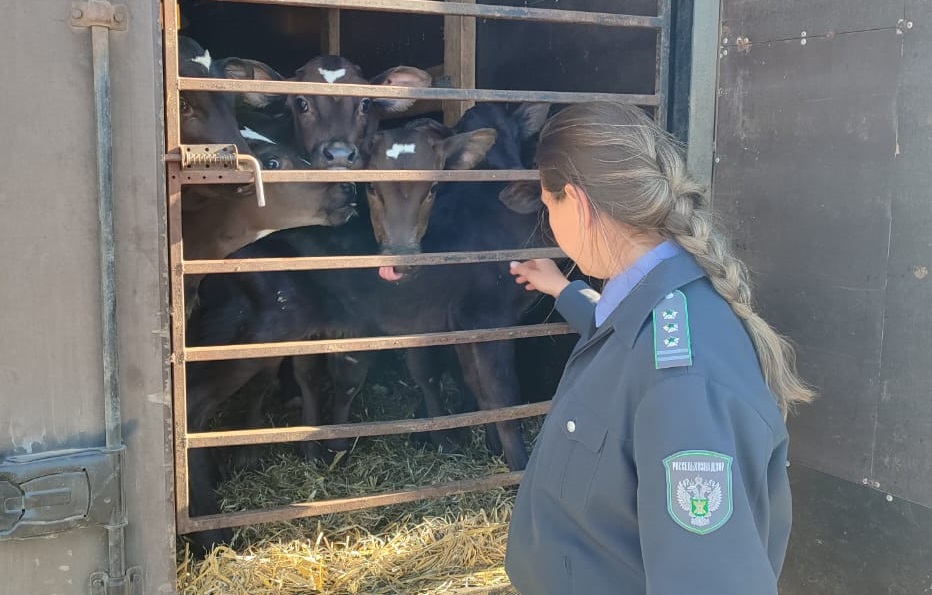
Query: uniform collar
x,y
672,273
628,318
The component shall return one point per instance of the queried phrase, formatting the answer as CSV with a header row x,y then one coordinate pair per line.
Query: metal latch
x,y
99,13
58,491
214,157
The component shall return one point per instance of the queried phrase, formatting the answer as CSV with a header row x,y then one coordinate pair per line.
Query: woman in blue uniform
x,y
661,467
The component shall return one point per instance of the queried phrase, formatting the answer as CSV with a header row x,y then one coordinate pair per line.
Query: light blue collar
x,y
619,286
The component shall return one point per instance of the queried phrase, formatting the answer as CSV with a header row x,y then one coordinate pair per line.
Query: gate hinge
x,y
99,13
59,491
130,584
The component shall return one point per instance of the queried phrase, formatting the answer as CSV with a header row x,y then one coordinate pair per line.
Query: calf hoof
x,y
312,451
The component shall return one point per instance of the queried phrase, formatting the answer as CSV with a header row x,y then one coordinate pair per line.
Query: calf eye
x,y
272,163
364,105
184,107
302,104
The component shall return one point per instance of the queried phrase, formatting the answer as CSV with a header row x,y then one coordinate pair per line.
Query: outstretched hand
x,y
540,274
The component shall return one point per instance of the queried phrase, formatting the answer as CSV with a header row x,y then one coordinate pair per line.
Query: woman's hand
x,y
540,274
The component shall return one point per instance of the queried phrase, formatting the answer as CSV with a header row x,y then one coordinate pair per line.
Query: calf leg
x,y
348,371
305,368
489,369
425,364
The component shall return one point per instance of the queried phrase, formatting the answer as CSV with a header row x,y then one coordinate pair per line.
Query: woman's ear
x,y
582,203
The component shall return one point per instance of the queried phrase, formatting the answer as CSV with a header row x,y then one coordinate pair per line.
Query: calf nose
x,y
339,154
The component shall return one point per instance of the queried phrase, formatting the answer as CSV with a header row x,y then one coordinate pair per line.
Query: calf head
x,y
206,117
298,204
400,211
516,130
333,131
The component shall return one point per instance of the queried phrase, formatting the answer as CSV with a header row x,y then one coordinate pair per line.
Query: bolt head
x,y
802,42
77,13
909,24
118,17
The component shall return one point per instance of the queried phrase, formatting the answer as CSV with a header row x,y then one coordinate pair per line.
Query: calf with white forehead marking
x,y
400,210
334,131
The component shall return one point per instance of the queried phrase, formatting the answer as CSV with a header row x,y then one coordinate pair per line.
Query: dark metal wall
x,y
822,151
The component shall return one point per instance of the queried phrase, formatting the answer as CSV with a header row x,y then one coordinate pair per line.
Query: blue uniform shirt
x,y
619,286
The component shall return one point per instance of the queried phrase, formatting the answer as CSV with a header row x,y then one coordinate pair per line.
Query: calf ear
x,y
400,76
467,149
243,69
521,197
530,118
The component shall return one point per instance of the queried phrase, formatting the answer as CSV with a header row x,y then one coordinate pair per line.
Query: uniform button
x,y
571,426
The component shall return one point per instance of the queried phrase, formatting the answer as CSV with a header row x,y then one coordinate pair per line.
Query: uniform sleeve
x,y
576,303
701,461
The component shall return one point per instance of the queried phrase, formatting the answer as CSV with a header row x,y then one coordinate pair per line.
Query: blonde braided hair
x,y
633,172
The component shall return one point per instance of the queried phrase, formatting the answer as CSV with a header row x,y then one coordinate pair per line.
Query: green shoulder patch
x,y
699,489
672,347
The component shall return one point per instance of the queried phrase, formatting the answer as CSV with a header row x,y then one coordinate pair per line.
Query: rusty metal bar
x,y
337,89
354,430
290,348
485,11
356,175
309,509
175,255
662,80
314,263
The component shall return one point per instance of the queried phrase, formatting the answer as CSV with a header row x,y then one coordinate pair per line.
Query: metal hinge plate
x,y
59,491
99,13
104,584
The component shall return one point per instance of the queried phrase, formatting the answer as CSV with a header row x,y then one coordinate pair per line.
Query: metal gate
x,y
459,53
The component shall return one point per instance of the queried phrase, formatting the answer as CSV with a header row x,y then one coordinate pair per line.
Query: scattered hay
x,y
452,545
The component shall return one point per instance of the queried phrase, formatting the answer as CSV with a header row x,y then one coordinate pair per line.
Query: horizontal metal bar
x,y
207,176
309,509
311,263
291,348
485,11
354,430
336,89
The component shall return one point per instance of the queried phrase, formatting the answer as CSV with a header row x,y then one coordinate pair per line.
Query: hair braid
x,y
633,171
690,225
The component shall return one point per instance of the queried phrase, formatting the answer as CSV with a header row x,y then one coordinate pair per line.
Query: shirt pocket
x,y
585,432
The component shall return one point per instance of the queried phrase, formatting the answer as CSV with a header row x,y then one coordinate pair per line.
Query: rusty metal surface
x,y
361,175
298,88
309,509
98,13
793,19
902,462
485,11
805,150
289,348
353,430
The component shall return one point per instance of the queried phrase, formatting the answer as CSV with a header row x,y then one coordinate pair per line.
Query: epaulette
x,y
671,332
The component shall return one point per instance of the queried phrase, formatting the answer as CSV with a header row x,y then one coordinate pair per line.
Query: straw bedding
x,y
451,545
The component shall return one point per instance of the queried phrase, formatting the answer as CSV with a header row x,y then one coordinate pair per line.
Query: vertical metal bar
x,y
700,152
100,48
662,83
175,258
459,61
330,41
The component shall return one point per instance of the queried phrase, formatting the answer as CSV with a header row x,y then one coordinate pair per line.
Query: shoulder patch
x,y
671,332
699,489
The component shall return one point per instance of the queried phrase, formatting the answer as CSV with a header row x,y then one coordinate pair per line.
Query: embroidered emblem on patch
x,y
699,489
671,332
